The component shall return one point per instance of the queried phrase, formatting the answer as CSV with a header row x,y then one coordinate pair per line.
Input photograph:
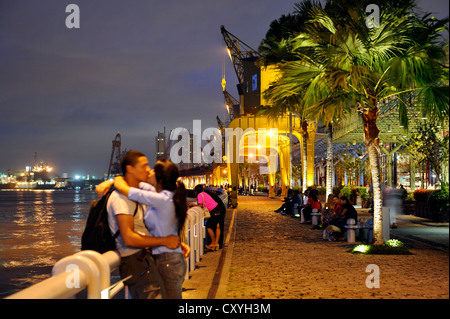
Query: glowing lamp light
x,y
394,243
229,54
363,249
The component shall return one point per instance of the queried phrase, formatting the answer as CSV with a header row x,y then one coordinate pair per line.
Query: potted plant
x,y
365,200
409,204
421,197
346,191
438,205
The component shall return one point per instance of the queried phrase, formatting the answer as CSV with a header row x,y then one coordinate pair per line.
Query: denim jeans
x,y
172,268
146,282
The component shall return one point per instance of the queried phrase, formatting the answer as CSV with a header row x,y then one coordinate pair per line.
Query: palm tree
x,y
342,65
276,48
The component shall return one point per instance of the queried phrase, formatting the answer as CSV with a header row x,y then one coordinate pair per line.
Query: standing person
x,y
213,223
165,198
222,211
134,239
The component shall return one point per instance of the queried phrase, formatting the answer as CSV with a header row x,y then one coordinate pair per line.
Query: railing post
x,y
197,234
191,240
103,267
203,233
186,240
85,265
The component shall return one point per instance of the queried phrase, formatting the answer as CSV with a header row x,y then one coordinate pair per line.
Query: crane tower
x,y
242,57
116,157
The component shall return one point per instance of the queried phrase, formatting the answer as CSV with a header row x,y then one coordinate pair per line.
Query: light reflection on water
x,y
37,228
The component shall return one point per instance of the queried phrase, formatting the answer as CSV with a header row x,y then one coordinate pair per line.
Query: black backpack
x,y
97,235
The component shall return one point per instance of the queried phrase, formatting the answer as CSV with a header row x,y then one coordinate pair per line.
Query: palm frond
x,y
433,101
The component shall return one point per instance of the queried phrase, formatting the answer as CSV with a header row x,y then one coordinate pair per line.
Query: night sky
x,y
133,66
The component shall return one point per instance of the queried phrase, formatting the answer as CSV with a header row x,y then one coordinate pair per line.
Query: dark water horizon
x,y
38,228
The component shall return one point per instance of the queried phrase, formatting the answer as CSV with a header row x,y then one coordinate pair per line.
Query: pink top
x,y
209,201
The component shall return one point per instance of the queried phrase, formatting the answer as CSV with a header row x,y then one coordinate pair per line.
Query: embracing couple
x,y
148,207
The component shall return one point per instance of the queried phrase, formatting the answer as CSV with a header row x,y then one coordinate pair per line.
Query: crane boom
x,y
231,102
237,50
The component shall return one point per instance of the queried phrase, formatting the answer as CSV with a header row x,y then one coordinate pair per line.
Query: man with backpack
x,y
133,240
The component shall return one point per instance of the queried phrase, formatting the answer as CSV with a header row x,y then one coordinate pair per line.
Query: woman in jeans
x,y
165,198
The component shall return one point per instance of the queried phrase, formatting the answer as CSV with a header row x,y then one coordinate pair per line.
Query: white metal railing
x,y
72,274
194,236
92,270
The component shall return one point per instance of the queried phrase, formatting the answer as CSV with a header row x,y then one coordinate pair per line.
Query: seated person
x,y
312,204
348,211
314,201
333,212
329,205
298,201
288,205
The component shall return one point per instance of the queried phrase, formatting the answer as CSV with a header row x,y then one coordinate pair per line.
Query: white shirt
x,y
119,204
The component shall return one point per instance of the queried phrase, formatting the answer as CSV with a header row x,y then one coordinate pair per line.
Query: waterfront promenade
x,y
270,256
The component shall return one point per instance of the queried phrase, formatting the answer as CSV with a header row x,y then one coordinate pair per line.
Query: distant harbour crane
x,y
237,51
116,157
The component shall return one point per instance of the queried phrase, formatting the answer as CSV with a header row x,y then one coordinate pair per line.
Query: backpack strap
x,y
136,209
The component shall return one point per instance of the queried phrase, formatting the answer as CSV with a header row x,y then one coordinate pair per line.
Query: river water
x,y
37,228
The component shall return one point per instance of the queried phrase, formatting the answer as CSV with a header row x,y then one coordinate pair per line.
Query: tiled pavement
x,y
270,256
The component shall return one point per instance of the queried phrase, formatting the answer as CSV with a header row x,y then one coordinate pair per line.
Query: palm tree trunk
x,y
304,164
304,155
329,161
377,200
371,136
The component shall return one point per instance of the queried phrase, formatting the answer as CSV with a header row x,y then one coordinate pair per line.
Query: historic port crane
x,y
116,157
237,51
